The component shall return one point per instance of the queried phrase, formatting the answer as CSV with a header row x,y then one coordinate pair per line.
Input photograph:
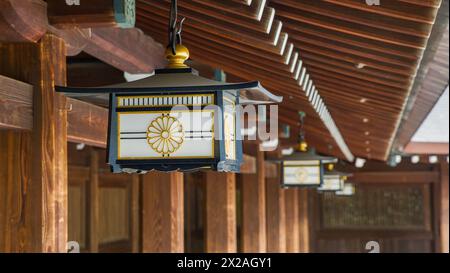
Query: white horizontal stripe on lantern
x,y
164,100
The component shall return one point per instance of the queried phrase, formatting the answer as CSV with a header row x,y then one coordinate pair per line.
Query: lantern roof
x,y
308,155
174,80
334,172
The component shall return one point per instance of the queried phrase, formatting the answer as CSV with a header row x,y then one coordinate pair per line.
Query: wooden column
x,y
38,223
254,238
162,212
276,216
444,209
303,220
134,217
220,228
93,198
292,223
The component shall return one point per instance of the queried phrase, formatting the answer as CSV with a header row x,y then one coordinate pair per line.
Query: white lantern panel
x,y
331,183
172,134
297,173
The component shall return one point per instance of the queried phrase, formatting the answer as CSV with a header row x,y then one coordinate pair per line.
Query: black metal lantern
x,y
333,180
175,119
304,168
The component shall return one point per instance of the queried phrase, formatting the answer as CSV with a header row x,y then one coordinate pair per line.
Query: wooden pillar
x,y
93,192
220,228
162,212
276,216
36,216
292,223
444,209
304,220
134,217
254,238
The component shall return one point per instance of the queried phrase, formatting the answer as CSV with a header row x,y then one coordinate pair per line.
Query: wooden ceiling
x,y
432,81
361,59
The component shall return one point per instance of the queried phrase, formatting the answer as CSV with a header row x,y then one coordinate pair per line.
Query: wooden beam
x,y
427,148
253,233
16,107
96,13
220,228
88,123
292,221
304,224
43,220
22,21
126,49
444,209
75,38
276,220
162,212
394,177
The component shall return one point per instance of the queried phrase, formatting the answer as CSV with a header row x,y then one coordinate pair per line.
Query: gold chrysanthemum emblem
x,y
301,174
165,135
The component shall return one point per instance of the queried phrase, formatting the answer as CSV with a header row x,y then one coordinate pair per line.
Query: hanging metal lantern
x,y
333,180
175,120
303,168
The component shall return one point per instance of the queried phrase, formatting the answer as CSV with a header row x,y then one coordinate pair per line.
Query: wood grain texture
x,y
220,228
292,221
253,233
304,220
162,212
98,13
50,144
276,217
16,207
43,66
444,210
22,21
93,196
117,47
88,123
16,104
135,235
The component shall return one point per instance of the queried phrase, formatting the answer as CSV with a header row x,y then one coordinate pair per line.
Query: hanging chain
x,y
302,127
174,30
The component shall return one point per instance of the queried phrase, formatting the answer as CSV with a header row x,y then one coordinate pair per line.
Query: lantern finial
x,y
330,167
177,60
